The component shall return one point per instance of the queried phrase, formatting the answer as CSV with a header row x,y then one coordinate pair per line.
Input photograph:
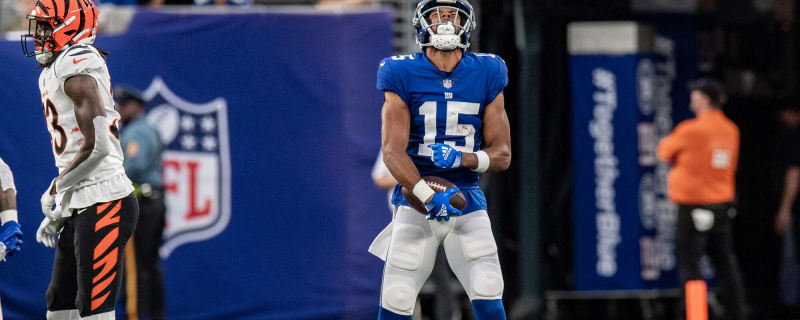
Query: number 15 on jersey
x,y
452,127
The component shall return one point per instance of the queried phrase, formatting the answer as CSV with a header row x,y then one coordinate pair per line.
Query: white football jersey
x,y
6,177
107,181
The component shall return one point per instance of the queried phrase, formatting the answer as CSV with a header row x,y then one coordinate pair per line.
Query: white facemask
x,y
445,37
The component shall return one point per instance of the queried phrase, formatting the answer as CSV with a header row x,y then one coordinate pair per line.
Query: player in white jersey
x,y
10,233
95,210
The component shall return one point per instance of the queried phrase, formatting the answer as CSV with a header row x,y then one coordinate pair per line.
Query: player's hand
x,y
783,220
11,238
48,231
445,156
439,207
48,201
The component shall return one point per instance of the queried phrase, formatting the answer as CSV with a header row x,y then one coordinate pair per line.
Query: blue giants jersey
x,y
445,107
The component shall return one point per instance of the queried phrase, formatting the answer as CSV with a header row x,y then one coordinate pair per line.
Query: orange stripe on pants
x,y
97,302
108,219
696,300
103,207
109,241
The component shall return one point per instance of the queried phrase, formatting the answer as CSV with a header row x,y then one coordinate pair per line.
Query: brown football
x,y
439,185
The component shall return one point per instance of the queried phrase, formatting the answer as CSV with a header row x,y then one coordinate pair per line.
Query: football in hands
x,y
438,185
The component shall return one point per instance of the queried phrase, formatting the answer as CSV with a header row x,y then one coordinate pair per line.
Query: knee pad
x,y
398,294
476,238
486,281
407,248
63,315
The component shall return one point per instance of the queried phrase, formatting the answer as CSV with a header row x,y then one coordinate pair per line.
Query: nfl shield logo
x,y
197,173
447,83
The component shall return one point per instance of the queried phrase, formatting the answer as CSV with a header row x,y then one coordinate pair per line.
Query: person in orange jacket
x,y
704,152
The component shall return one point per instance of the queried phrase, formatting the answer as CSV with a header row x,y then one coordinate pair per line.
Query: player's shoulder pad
x,y
491,59
497,70
78,59
400,61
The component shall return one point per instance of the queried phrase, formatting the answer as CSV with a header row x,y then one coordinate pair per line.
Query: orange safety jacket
x,y
704,152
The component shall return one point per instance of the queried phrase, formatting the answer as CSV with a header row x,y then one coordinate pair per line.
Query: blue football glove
x,y
439,208
11,237
445,156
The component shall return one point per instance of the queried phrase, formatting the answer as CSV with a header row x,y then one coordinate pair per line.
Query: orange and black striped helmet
x,y
55,24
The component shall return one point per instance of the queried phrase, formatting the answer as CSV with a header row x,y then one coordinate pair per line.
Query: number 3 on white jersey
x,y
452,128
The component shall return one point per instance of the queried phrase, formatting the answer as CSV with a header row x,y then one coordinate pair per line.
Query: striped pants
x,y
88,266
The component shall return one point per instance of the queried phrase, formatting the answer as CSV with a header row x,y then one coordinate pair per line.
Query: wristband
x,y
423,191
483,162
8,215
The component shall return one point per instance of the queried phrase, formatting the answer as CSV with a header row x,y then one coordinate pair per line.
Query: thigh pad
x,y
476,238
407,249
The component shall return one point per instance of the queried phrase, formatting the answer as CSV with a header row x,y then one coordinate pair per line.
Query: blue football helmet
x,y
451,31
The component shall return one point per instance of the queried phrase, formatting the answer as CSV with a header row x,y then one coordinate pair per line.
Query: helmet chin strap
x,y
445,37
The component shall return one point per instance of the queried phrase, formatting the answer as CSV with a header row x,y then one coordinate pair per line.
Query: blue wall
x,y
304,123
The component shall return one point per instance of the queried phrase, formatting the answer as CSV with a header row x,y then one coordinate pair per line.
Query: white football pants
x,y
468,244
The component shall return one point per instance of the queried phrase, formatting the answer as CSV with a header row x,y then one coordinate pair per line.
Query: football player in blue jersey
x,y
444,116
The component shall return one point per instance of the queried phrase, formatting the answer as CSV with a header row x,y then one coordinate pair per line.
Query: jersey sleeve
x,y
77,60
672,144
389,79
6,178
498,77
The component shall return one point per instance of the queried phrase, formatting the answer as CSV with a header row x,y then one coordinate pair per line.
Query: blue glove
x,y
439,208
11,236
445,156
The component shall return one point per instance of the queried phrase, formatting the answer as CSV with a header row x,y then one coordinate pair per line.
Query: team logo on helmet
x,y
56,24
197,170
444,29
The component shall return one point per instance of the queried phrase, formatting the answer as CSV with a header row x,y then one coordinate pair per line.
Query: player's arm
x,y
94,126
8,194
497,135
395,129
791,185
670,145
10,230
8,199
